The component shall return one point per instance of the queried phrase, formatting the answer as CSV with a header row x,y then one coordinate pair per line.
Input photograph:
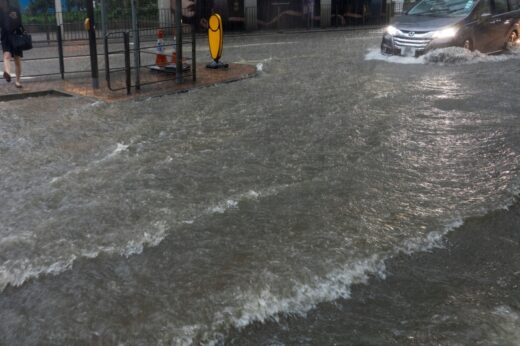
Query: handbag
x,y
21,41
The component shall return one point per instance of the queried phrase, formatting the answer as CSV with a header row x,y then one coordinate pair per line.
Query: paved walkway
x,y
152,84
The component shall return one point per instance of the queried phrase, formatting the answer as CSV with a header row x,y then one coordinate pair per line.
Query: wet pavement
x,y
334,199
41,75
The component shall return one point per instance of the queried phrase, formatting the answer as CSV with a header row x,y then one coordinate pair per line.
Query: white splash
x,y
118,150
375,54
444,56
432,240
149,239
458,55
264,305
15,273
507,325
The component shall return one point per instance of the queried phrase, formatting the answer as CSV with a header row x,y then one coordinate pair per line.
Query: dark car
x,y
485,25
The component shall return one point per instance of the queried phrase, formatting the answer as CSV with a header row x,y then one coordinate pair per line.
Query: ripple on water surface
x,y
182,224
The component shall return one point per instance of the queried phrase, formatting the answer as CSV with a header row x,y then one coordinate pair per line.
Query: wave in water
x,y
448,56
117,151
263,304
17,272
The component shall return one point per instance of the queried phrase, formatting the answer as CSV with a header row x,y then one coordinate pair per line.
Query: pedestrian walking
x,y
11,24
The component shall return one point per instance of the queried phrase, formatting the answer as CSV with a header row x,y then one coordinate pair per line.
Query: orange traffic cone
x,y
160,58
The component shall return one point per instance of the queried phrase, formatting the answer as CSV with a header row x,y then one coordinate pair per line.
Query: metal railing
x,y
49,58
41,26
118,61
340,13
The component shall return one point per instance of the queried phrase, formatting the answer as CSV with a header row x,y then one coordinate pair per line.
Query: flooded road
x,y
293,198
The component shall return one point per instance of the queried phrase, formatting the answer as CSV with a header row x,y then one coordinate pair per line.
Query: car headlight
x,y
445,33
391,30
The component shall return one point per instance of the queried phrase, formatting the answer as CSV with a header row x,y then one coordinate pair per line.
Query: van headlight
x,y
445,33
392,30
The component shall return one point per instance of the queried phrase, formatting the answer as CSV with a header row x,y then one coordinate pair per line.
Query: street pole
x,y
92,44
178,41
137,49
105,39
59,14
104,17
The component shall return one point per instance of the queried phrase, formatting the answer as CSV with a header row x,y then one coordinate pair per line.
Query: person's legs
x,y
18,70
7,66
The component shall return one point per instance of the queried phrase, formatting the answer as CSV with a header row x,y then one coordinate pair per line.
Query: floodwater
x,y
340,197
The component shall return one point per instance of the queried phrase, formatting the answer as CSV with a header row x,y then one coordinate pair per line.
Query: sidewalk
x,y
152,84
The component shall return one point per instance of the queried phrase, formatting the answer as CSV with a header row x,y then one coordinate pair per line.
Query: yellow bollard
x,y
216,41
86,23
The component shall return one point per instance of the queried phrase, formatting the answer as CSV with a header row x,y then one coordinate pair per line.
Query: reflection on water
x,y
174,219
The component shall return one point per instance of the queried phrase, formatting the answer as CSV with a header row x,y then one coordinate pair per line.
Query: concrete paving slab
x,y
153,84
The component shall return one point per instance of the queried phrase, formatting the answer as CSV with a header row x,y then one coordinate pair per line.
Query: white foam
x,y
117,150
21,237
444,56
147,240
96,104
457,55
434,239
375,54
265,305
508,325
17,272
337,284
222,207
506,312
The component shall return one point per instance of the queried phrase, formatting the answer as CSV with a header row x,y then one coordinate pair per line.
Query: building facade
x,y
283,14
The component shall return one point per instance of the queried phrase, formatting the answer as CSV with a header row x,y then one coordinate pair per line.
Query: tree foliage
x,y
40,6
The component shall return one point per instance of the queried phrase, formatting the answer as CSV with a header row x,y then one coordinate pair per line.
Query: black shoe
x,y
7,77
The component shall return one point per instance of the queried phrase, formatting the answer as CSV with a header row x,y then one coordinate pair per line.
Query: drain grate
x,y
26,95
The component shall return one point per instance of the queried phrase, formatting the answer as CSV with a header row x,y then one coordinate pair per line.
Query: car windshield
x,y
442,8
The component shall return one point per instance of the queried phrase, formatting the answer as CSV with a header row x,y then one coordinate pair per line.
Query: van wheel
x,y
512,39
468,45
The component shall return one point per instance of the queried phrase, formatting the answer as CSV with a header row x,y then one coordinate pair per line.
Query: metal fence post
x,y
178,40
128,72
137,48
60,51
107,60
193,53
92,45
47,30
104,17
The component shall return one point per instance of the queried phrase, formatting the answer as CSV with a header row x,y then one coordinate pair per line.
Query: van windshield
x,y
442,8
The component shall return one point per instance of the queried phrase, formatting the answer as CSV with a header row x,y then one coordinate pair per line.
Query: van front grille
x,y
418,41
